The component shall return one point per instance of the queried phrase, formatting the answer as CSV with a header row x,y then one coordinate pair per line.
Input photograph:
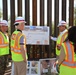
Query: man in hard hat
x,y
4,46
61,37
18,47
67,63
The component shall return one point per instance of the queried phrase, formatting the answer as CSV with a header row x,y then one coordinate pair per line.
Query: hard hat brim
x,y
19,22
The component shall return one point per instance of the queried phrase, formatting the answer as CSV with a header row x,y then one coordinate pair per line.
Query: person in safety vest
x,y
18,47
4,46
61,37
67,57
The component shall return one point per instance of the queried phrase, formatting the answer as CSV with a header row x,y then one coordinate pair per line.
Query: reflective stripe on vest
x,y
69,64
3,45
16,50
69,61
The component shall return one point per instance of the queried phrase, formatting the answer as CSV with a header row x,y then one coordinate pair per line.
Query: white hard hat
x,y
19,19
3,23
62,23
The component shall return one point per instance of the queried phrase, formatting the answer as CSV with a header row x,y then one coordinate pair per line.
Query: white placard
x,y
37,35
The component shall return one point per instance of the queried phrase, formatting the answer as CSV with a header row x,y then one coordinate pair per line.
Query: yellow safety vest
x,y
4,44
68,66
15,46
60,40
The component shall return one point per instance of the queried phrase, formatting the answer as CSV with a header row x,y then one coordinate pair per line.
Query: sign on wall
x,y
37,35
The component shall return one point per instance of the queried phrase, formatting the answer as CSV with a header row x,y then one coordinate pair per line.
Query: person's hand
x,y
58,47
50,37
53,69
56,65
58,68
25,61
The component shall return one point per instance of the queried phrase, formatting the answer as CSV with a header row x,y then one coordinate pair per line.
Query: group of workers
x,y
65,48
18,47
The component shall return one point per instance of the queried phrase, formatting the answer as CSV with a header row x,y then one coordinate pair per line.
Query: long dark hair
x,y
72,36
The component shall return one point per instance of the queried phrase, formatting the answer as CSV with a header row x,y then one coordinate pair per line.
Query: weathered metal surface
x,y
34,12
49,23
64,5
5,10
12,10
19,7
56,18
71,12
27,11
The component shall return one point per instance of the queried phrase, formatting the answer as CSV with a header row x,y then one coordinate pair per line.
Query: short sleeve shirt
x,y
22,42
